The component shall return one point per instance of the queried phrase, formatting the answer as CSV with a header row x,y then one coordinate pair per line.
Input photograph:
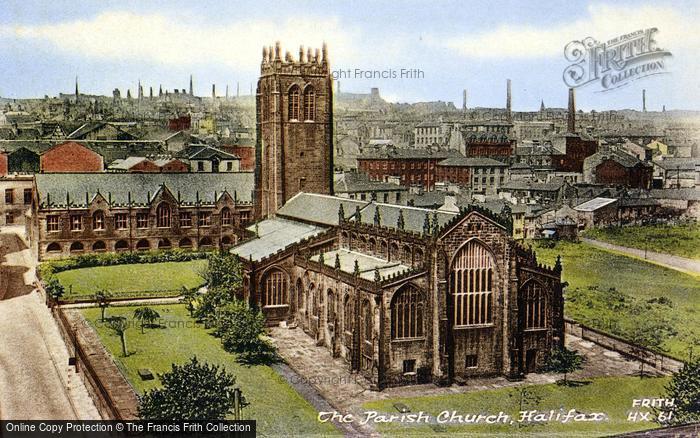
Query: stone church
x,y
404,295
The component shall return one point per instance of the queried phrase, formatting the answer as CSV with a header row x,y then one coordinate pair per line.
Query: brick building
x,y
82,213
482,175
413,167
571,151
618,168
16,200
294,103
71,157
182,123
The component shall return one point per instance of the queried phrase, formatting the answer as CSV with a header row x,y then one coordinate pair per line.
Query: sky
x,y
456,45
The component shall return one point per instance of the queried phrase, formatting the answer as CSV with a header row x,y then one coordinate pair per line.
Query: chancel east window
x,y
471,285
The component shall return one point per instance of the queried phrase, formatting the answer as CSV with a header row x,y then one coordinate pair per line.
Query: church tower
x,y
294,147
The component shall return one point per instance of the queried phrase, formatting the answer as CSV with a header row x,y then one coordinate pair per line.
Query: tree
x,y
119,324
223,270
54,288
241,328
563,360
146,315
193,391
213,299
189,298
102,298
684,389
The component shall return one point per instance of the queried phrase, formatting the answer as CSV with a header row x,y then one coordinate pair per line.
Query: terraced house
x,y
82,213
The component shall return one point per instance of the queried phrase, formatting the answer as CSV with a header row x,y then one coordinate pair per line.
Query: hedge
x,y
47,269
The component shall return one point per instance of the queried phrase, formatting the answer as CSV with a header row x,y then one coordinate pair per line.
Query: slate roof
x,y
554,185
119,185
414,217
471,162
318,209
126,163
275,234
594,204
367,264
206,152
408,154
678,163
428,199
352,182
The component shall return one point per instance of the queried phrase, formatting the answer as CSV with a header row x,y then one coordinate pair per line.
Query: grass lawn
x,y
680,240
611,395
145,279
277,407
584,266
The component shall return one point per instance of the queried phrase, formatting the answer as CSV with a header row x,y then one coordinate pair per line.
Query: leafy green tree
x,y
102,298
223,270
684,389
146,315
190,392
563,360
209,302
119,324
242,328
189,298
54,288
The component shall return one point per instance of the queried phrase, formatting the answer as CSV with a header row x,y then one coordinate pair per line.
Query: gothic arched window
x,y
407,310
294,103
536,305
274,288
309,103
471,285
163,216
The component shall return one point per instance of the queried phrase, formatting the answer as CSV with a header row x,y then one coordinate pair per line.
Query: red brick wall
x,y
577,150
247,155
410,171
3,164
71,157
454,174
175,166
146,166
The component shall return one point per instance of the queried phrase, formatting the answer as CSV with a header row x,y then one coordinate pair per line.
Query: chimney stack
x,y
191,87
571,119
508,100
213,91
644,100
464,99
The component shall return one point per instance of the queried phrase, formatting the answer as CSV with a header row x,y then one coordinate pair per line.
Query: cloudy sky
x,y
44,45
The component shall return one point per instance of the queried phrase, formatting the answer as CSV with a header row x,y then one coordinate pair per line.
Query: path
x,y
35,379
667,260
347,392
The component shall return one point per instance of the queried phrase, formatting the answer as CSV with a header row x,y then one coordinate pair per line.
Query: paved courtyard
x,y
35,379
347,392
